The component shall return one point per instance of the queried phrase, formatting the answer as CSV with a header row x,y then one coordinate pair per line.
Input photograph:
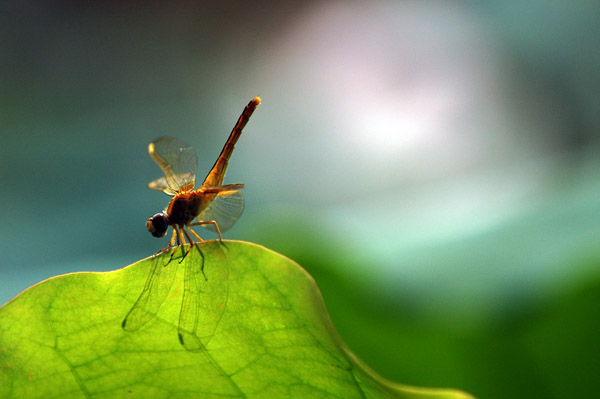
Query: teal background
x,y
433,165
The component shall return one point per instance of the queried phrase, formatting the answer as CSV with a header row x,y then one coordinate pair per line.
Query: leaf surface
x,y
253,325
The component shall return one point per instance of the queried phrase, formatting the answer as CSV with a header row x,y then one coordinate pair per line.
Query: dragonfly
x,y
213,205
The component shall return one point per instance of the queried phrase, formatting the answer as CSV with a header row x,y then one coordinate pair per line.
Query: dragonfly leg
x,y
195,235
199,250
171,242
180,242
191,243
210,222
173,237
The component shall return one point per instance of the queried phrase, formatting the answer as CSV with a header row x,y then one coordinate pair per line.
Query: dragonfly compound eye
x,y
158,224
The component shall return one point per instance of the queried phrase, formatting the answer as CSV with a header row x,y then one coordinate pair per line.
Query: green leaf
x,y
252,325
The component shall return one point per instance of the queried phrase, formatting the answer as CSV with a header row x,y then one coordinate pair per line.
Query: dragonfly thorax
x,y
185,206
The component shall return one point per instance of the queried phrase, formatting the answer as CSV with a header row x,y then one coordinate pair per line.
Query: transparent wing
x,y
188,315
178,162
155,291
161,184
225,209
205,295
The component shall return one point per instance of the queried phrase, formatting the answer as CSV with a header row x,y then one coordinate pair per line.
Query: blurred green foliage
x,y
540,347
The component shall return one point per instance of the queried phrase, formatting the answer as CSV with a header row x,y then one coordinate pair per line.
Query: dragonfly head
x,y
158,224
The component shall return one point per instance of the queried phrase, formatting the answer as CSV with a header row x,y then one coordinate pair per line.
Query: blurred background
x,y
434,165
